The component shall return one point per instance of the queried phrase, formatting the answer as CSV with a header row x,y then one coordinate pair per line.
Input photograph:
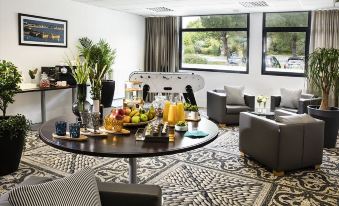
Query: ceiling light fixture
x,y
251,4
160,9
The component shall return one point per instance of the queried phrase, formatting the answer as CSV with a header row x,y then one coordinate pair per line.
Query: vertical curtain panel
x,y
325,34
161,49
325,29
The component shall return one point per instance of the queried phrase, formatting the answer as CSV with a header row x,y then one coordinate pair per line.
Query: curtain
x,y
161,49
162,46
325,34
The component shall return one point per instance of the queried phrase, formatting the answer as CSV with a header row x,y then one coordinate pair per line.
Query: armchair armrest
x,y
250,101
275,102
129,194
303,103
216,105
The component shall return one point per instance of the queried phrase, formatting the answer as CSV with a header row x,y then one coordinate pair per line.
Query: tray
x,y
159,136
91,134
123,131
69,138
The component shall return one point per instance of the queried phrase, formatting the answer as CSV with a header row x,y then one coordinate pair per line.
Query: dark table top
x,y
125,145
38,89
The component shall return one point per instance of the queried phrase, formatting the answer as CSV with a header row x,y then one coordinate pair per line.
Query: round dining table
x,y
126,146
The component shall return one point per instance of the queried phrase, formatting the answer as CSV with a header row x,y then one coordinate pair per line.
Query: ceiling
x,y
200,7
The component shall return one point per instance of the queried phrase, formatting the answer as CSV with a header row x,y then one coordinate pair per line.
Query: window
x,y
285,43
214,43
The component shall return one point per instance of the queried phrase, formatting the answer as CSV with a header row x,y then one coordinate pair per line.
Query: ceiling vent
x,y
251,4
160,9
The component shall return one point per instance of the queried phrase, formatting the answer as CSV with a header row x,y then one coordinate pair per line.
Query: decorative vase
x,y
10,151
96,105
107,92
331,119
44,82
81,105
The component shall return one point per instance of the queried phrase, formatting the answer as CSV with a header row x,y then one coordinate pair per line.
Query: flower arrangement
x,y
262,99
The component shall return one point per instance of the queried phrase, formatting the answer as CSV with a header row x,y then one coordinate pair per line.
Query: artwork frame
x,y
42,31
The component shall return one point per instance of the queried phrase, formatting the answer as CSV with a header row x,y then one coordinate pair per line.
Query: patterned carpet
x,y
213,175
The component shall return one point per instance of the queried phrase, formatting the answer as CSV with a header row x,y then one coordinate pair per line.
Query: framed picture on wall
x,y
42,31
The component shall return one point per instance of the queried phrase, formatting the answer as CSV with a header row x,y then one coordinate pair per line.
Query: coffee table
x,y
264,112
125,146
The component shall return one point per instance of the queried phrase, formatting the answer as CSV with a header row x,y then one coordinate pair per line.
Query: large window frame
x,y
266,30
182,30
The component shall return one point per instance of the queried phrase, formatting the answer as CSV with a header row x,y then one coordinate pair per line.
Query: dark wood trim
x,y
265,30
42,17
247,30
45,89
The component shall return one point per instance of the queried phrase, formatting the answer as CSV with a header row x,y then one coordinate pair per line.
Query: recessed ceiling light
x,y
251,4
160,9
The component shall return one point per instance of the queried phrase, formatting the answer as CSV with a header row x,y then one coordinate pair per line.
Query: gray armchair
x,y
111,193
304,101
281,147
220,111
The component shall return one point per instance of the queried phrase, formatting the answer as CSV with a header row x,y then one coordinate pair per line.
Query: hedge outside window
x,y
285,43
214,43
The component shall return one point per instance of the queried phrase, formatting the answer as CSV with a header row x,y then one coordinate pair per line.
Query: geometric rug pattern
x,y
213,175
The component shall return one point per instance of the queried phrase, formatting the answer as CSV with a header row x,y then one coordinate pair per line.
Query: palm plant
x,y
80,70
100,53
323,72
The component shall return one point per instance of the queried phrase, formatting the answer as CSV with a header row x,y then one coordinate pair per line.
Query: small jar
x,y
44,82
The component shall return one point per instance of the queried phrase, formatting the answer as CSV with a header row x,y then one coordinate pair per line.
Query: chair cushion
x,y
235,95
235,109
295,119
79,189
290,98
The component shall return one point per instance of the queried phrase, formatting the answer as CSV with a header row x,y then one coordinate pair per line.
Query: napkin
x,y
196,134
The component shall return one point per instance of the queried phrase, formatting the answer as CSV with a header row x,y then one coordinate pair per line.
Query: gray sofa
x,y
220,111
304,101
281,147
111,193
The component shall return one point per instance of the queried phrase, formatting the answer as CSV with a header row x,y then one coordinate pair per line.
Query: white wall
x,y
123,31
255,83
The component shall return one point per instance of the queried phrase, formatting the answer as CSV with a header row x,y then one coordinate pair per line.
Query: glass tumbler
x,y
74,130
60,128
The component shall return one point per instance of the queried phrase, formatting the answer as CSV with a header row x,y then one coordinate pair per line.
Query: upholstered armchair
x,y
282,146
304,101
220,111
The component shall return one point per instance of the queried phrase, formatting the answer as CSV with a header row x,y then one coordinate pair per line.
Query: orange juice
x,y
180,112
172,115
165,112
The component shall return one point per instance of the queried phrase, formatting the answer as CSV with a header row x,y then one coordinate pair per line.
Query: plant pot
x,y
107,92
10,151
331,119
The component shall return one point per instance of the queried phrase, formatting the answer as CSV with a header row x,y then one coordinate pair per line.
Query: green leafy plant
x,y
95,77
9,84
14,127
32,73
191,108
323,72
98,53
80,69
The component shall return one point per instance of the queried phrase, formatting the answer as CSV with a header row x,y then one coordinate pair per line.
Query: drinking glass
x,y
74,130
60,128
85,117
95,117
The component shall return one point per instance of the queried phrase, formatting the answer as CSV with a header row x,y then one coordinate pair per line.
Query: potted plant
x,y
80,72
323,73
102,55
13,129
